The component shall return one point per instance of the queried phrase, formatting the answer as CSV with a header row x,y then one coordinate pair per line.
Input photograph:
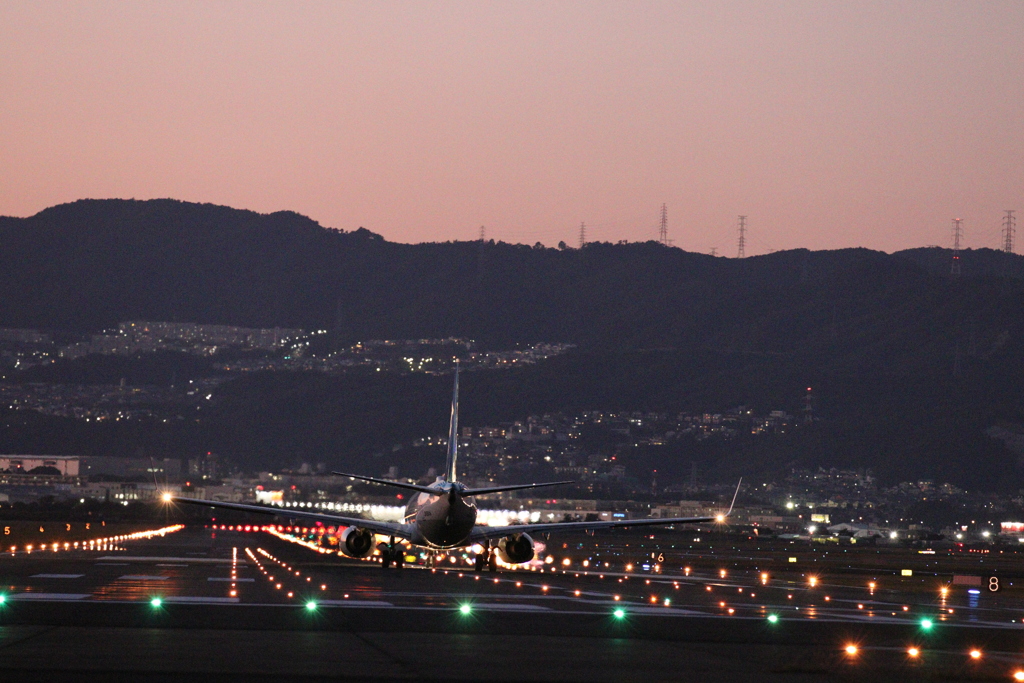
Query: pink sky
x,y
830,124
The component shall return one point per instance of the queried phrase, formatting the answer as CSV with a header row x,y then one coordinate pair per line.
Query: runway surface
x,y
203,604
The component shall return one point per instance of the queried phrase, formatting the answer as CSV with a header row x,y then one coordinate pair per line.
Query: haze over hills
x,y
911,366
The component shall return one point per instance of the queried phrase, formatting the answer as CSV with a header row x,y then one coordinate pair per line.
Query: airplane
x,y
441,517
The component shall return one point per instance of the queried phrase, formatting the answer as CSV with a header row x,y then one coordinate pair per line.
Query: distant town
x,y
234,350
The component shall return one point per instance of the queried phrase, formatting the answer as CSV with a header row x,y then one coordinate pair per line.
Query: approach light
x,y
926,624
311,605
156,602
1018,675
773,618
465,609
167,497
975,654
619,613
851,649
913,651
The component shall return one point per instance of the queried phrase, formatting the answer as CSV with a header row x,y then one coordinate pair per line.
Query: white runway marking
x,y
56,576
49,596
222,578
503,607
186,560
143,577
355,603
198,599
172,565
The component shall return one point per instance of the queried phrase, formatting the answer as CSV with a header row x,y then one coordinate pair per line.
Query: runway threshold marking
x,y
224,578
49,596
199,599
355,603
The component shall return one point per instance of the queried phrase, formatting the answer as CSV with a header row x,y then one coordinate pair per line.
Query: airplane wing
x,y
483,533
383,528
387,482
513,487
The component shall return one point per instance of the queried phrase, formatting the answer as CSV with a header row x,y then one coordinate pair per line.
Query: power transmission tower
x,y
1009,223
743,237
958,232
481,256
583,235
663,232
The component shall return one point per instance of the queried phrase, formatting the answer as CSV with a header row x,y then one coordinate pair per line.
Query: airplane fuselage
x,y
441,520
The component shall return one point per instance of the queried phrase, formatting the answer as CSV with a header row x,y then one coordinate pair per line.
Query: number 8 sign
x,y
994,586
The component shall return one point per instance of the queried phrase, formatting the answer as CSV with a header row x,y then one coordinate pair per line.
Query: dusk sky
x,y
829,124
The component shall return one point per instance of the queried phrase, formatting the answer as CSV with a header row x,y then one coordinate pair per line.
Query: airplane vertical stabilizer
x,y
453,431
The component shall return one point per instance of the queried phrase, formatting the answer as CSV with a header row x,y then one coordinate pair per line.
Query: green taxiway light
x,y
619,613
773,618
156,602
926,624
311,605
466,609
3,599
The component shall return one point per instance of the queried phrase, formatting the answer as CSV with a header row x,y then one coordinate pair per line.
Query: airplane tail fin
x,y
453,432
733,504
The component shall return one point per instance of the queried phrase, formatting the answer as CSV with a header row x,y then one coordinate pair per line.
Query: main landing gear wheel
x,y
478,563
392,556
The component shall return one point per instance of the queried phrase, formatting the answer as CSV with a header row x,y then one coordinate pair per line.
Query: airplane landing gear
x,y
486,559
390,554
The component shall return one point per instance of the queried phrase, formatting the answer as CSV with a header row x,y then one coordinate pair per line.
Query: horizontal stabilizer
x,y
515,487
386,482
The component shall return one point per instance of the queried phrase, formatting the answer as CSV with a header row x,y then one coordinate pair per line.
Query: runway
x,y
204,604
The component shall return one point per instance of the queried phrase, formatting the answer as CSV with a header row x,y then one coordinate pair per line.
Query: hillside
x,y
879,336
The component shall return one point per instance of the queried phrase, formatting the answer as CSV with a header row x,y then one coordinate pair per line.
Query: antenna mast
x,y
583,235
663,232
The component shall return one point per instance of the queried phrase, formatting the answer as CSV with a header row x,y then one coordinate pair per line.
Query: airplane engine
x,y
356,542
516,549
